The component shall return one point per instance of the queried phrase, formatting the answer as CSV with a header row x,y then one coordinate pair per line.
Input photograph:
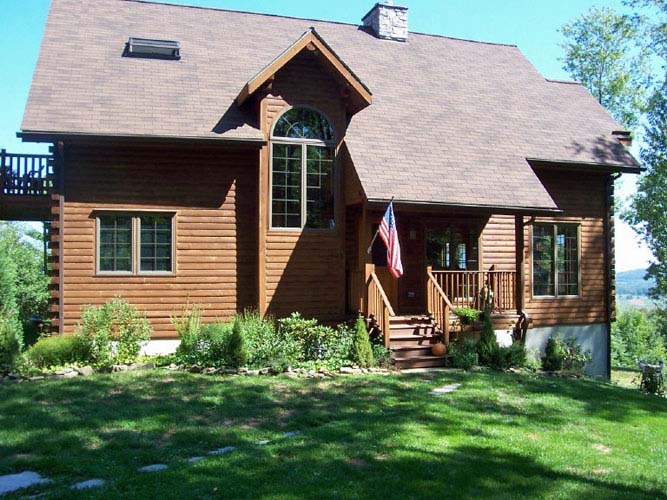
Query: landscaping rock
x,y
13,482
91,483
347,370
209,371
265,371
229,371
153,468
37,377
222,451
252,372
85,371
70,374
148,365
195,369
119,368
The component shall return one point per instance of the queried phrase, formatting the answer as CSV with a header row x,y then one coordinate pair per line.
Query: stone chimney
x,y
388,21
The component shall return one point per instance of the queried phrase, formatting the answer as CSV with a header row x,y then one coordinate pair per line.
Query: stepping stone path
x,y
194,460
153,468
446,389
222,451
263,443
13,482
291,434
91,483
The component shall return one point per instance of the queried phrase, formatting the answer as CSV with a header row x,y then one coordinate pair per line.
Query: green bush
x,y
467,315
636,334
464,354
513,356
362,354
575,359
115,321
58,350
237,354
382,355
265,346
188,323
10,341
210,347
487,347
652,379
554,355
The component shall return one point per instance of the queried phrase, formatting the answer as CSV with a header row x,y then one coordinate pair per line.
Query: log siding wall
x,y
582,199
212,193
304,270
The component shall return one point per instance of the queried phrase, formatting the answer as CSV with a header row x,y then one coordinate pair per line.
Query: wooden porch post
x,y
519,249
362,256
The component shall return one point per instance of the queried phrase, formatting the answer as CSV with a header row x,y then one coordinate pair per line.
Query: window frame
x,y
304,143
135,237
554,256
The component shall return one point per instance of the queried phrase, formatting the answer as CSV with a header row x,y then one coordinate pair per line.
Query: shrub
x,y
467,315
513,356
487,346
362,353
237,354
382,355
636,335
464,354
554,355
188,323
575,359
115,321
208,348
10,341
58,350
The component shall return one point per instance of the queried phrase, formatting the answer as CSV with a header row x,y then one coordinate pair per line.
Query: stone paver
x,y
194,460
446,389
263,442
291,434
91,483
13,482
222,451
153,468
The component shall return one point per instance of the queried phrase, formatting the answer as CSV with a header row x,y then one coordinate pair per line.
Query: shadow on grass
x,y
362,436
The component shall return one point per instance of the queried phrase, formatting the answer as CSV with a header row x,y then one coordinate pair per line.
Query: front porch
x,y
446,266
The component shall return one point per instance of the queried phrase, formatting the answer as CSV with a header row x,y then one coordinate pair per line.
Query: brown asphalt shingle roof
x,y
452,121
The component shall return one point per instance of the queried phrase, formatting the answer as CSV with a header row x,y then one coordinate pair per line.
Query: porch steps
x,y
410,340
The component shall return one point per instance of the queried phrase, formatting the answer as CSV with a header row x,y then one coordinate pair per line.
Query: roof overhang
x,y
609,168
465,207
52,136
313,42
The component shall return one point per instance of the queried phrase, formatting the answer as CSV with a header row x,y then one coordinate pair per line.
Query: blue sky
x,y
530,24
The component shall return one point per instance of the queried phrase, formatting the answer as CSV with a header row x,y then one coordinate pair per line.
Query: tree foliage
x,y
602,52
648,212
636,335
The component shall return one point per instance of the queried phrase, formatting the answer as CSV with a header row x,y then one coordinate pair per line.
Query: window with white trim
x,y
302,171
555,260
135,243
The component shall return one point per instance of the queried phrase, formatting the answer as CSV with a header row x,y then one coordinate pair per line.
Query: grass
x,y
498,436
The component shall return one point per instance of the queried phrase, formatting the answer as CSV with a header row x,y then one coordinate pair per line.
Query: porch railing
x,y
25,174
463,288
378,307
438,305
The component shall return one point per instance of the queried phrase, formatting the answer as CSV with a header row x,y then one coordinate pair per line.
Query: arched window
x,y
302,171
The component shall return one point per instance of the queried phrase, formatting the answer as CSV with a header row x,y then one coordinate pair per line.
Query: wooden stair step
x,y
420,361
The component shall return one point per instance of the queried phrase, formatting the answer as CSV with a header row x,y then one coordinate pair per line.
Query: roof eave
x,y
621,168
488,208
54,136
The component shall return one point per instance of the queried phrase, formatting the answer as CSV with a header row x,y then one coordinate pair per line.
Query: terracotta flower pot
x,y
439,349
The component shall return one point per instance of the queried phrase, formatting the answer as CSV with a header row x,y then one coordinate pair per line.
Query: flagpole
x,y
370,247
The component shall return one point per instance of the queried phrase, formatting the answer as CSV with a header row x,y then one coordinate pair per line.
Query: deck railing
x,y
25,174
438,305
463,288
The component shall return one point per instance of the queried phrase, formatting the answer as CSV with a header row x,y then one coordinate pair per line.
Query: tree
x,y
23,282
635,336
362,352
602,52
648,211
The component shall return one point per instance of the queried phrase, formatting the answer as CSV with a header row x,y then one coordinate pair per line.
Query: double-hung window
x,y
134,243
302,171
555,260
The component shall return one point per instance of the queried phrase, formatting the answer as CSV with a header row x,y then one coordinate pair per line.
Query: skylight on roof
x,y
152,49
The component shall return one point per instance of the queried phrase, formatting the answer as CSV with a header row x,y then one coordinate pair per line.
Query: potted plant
x,y
439,348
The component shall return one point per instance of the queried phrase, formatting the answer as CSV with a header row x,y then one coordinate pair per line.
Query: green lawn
x,y
498,436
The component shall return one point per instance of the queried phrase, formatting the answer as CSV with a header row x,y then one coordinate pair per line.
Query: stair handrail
x,y
438,304
377,305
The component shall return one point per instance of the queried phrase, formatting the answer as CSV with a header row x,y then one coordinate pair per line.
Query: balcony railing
x,y
463,288
25,174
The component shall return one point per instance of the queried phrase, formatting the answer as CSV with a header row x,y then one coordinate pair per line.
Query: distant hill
x,y
632,283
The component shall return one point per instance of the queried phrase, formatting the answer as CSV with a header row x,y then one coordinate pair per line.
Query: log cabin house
x,y
244,160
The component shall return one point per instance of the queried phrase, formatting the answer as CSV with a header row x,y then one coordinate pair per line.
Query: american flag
x,y
389,235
